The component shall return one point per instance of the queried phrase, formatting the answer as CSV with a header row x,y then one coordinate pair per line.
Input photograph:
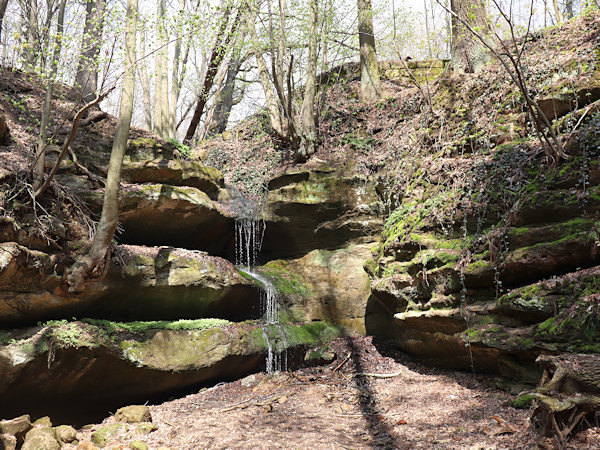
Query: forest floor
x,y
330,407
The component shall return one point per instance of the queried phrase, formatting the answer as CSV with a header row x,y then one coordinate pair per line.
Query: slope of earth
x,y
334,407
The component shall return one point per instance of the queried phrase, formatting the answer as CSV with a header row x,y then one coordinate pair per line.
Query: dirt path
x,y
324,408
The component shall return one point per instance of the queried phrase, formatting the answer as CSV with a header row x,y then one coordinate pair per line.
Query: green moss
x,y
313,333
549,326
5,338
140,327
144,142
410,217
521,402
101,436
285,280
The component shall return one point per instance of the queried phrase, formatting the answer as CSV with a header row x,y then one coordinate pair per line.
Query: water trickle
x,y
249,234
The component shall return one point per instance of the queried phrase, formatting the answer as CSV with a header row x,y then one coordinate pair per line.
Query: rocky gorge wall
x,y
172,311
471,251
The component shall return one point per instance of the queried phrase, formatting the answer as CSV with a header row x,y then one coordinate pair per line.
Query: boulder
x,y
41,438
86,445
133,414
139,445
146,427
318,208
66,433
43,422
103,435
8,442
17,426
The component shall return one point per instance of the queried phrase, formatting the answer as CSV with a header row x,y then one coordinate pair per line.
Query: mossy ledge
x,y
109,364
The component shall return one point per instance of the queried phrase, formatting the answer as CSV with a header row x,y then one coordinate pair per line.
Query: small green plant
x,y
183,149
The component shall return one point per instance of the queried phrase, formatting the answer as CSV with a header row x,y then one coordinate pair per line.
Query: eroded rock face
x,y
165,199
93,366
152,160
166,283
318,209
28,284
487,288
325,285
141,284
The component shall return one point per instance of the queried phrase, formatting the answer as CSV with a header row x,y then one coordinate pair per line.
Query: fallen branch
x,y
246,403
378,375
342,363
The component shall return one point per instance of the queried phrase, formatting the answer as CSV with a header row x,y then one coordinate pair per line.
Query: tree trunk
x,y
31,47
225,100
569,9
469,55
369,70
568,395
265,81
3,5
145,82
95,264
309,128
161,79
216,58
86,79
560,19
177,75
42,143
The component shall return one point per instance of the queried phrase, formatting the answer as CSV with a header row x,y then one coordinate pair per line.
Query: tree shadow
x,y
379,429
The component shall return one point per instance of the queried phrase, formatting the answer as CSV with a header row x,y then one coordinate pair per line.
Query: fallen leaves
x,y
499,426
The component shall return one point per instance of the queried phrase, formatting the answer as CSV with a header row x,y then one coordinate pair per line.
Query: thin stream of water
x,y
249,235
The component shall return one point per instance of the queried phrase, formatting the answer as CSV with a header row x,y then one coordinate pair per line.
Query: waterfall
x,y
249,235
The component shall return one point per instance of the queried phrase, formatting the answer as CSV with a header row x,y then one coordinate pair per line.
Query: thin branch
x,y
68,141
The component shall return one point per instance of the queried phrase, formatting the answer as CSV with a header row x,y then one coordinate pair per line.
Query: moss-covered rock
x,y
142,284
325,285
41,438
319,208
169,283
95,365
102,435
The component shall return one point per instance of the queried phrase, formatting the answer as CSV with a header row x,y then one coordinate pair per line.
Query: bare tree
x,y
226,99
161,78
275,117
469,54
86,79
3,5
560,19
225,35
510,55
29,21
42,143
95,263
309,128
369,70
145,83
296,129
